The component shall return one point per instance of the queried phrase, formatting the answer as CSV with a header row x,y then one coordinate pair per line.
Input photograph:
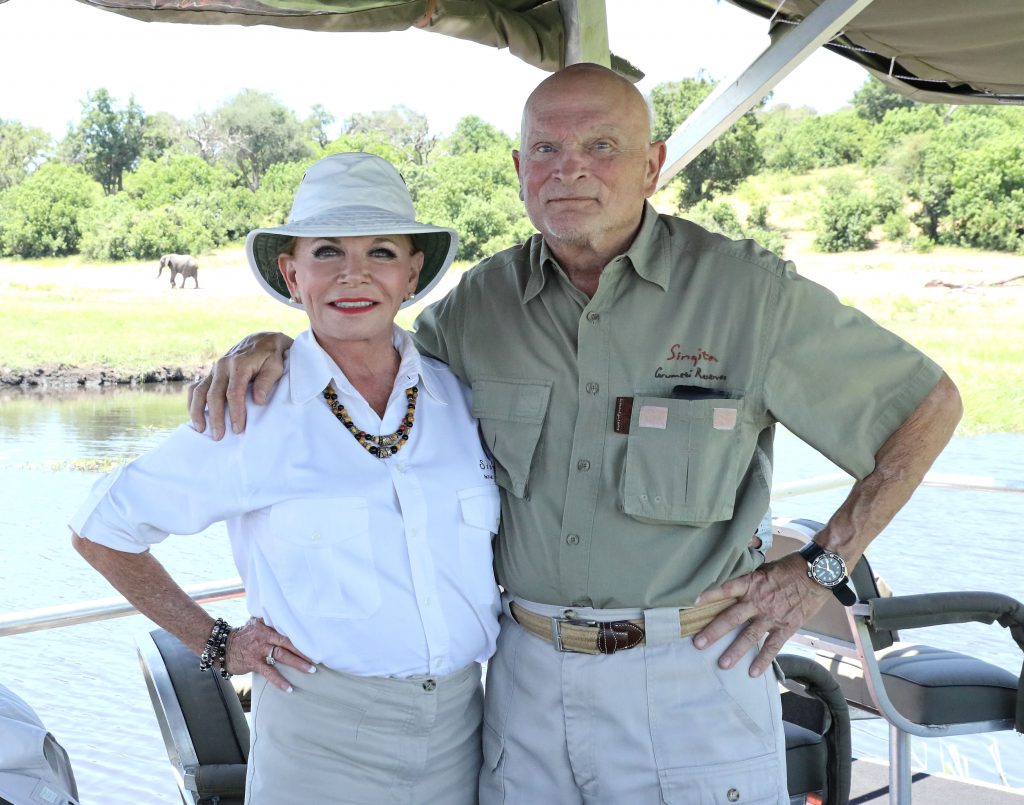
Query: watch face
x,y
828,569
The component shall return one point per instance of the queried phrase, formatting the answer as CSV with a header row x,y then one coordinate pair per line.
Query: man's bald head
x,y
586,78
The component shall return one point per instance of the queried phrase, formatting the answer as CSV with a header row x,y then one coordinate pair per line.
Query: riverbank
x,y
70,324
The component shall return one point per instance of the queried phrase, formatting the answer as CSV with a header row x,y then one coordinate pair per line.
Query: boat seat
x,y
918,689
816,721
201,720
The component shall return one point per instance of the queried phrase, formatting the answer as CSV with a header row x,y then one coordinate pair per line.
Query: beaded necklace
x,y
379,446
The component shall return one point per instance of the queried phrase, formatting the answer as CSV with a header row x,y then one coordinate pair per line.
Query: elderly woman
x,y
360,507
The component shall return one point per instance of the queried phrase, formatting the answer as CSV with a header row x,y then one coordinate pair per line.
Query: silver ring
x,y
269,659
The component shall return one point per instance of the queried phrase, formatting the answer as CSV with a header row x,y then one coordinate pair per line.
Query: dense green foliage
x,y
470,185
925,174
42,216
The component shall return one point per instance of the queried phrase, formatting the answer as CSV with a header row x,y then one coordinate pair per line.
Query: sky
x,y
53,52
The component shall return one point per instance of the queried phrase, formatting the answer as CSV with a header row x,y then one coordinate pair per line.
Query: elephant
x,y
180,263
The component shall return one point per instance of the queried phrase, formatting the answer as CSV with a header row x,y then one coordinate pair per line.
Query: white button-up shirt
x,y
376,567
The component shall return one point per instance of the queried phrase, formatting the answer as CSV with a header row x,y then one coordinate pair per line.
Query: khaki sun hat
x,y
345,195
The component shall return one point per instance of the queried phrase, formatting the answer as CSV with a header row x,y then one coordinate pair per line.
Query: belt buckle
x,y
556,630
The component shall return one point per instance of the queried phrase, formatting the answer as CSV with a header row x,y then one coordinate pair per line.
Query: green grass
x,y
983,352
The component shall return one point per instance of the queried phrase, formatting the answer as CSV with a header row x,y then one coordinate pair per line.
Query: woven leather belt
x,y
596,637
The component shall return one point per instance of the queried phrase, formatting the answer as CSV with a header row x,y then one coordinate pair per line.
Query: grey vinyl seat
x,y
816,721
918,689
201,719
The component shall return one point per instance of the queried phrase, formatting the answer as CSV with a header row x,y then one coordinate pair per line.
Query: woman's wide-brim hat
x,y
350,195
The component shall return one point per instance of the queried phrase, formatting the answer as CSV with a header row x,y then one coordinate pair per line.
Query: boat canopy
x,y
945,51
940,51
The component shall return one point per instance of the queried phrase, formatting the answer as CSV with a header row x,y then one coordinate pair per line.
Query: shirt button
x,y
429,685
438,663
583,465
593,388
592,316
573,539
401,467
315,537
733,795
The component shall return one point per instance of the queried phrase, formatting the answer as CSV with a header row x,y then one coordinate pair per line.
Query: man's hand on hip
x,y
257,359
775,599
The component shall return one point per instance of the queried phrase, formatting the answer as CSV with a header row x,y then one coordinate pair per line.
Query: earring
x,y
296,299
409,296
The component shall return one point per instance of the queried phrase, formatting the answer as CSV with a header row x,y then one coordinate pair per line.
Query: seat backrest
x,y
831,621
200,716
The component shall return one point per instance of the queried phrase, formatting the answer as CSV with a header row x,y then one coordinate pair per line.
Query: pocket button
x,y
733,795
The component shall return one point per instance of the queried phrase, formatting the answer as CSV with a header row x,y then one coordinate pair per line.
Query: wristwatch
x,y
828,569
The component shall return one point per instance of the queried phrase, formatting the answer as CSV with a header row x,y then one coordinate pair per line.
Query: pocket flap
x,y
481,507
511,400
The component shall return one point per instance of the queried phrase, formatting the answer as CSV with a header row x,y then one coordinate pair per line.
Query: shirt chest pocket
x,y
511,414
681,460
480,510
323,557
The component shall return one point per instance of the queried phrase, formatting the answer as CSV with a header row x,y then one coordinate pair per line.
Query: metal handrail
x,y
101,609
943,480
35,620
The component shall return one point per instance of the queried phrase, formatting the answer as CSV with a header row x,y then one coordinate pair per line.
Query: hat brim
x,y
263,246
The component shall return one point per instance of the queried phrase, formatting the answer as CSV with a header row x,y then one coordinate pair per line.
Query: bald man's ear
x,y
656,154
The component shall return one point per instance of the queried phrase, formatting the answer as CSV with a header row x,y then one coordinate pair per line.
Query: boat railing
x,y
44,618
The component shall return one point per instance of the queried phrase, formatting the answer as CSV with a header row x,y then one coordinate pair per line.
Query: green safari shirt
x,y
632,432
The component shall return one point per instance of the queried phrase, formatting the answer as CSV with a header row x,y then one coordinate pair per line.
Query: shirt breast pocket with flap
x,y
480,510
682,459
323,556
511,414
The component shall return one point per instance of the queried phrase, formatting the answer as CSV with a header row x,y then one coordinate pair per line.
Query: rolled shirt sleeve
x,y
183,486
837,379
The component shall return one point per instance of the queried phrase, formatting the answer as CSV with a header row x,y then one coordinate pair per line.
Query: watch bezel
x,y
813,566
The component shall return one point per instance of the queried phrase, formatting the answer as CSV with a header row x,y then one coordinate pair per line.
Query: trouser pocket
x,y
754,781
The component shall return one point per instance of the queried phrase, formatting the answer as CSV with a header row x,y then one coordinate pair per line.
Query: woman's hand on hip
x,y
259,648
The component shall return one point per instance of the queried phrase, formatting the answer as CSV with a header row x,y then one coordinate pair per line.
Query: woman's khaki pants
x,y
339,738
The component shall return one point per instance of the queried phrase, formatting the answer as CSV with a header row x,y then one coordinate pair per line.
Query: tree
x,y
874,100
316,124
253,131
821,141
163,134
470,184
21,150
931,161
405,129
107,141
473,134
41,216
721,166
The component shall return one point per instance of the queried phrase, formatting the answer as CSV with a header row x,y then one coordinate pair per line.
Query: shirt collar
x,y
310,369
648,254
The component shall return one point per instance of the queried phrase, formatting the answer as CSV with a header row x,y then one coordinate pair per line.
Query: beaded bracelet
x,y
215,653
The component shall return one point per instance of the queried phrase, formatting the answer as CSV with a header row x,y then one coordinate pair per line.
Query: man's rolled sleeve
x,y
838,380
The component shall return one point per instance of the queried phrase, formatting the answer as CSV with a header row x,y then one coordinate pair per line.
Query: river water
x,y
85,683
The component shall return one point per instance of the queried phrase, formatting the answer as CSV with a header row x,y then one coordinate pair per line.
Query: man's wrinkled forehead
x,y
585,100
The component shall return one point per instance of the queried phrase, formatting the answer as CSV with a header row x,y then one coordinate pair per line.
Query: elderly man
x,y
628,369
